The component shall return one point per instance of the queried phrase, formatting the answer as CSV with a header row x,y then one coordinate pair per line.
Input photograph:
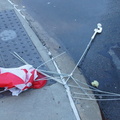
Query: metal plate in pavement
x,y
13,37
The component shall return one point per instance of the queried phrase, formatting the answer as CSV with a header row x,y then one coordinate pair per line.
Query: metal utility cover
x,y
13,37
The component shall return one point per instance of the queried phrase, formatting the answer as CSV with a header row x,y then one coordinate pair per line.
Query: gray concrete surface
x,y
50,102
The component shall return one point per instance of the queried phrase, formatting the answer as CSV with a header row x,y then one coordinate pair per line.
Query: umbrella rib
x,y
66,75
18,57
50,60
101,91
81,88
51,77
4,90
96,99
94,94
95,89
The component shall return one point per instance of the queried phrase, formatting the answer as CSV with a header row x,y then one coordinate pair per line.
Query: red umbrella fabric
x,y
21,78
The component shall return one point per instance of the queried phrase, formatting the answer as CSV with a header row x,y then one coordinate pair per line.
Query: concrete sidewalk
x,y
50,102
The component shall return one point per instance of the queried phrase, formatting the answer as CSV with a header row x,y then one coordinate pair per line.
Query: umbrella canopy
x,y
21,78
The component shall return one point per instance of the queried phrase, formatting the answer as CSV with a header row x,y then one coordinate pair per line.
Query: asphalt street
x,y
72,24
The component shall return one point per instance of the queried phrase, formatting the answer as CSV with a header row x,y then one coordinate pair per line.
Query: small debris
x,y
95,83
